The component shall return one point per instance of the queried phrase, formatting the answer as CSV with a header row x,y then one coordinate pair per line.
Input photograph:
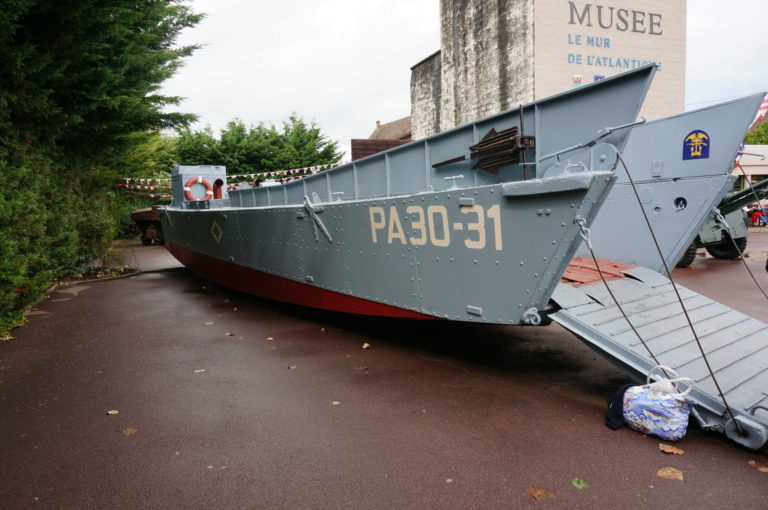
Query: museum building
x,y
497,54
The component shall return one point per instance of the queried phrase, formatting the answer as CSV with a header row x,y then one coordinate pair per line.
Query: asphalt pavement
x,y
227,401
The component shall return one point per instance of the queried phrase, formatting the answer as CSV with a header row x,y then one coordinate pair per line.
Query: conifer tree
x,y
78,80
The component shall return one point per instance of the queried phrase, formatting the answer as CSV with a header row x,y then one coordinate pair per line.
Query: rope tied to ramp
x,y
721,220
746,179
757,199
585,236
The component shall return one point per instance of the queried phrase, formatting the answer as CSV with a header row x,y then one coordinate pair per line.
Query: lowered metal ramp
x,y
735,344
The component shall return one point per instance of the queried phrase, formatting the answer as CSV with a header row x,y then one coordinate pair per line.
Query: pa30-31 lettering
x,y
433,226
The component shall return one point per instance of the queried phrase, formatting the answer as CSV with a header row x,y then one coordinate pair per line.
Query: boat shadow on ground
x,y
548,354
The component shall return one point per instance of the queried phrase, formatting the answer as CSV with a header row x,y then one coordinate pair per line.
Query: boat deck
x,y
582,271
735,344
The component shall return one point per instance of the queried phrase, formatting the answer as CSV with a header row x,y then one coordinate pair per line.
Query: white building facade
x,y
497,54
754,165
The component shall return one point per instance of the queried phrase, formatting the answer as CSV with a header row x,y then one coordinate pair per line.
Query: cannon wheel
x,y
688,256
725,250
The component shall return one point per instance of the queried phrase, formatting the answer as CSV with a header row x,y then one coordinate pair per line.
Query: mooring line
x,y
746,179
721,220
677,293
585,235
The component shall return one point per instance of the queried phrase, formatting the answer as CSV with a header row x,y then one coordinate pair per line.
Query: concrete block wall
x,y
426,93
485,64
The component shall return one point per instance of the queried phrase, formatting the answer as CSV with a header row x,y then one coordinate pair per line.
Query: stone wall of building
x,y
487,49
485,64
425,97
496,54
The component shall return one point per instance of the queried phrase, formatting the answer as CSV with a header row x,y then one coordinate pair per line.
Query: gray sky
x,y
346,63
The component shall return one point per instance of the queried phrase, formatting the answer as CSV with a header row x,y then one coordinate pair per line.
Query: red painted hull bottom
x,y
258,283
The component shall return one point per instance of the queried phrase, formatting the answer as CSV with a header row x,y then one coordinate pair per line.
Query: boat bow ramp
x,y
735,344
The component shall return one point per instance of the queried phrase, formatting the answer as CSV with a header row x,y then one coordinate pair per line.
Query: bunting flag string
x,y
282,174
150,195
139,185
151,187
760,116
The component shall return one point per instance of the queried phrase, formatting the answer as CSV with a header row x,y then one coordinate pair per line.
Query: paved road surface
x,y
226,401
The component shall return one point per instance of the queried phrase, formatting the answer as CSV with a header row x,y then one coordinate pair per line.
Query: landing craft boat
x,y
474,224
479,224
681,168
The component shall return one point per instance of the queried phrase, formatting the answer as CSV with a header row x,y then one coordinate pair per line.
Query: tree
x,y
78,96
257,148
196,147
758,135
90,69
250,149
304,145
148,154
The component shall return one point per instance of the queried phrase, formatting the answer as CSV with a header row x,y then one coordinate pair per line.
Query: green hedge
x,y
78,81
50,225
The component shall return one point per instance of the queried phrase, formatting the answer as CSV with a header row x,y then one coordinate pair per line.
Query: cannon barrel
x,y
739,199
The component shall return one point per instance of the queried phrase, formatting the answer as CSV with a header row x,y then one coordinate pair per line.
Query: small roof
x,y
396,130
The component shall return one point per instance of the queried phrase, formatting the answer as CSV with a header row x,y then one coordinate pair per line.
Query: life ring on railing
x,y
198,180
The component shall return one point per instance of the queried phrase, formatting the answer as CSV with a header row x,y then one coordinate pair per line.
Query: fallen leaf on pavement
x,y
113,412
199,370
130,431
579,483
540,493
670,473
366,345
666,448
761,466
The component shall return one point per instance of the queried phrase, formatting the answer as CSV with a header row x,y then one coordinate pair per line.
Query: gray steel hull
x,y
475,224
486,254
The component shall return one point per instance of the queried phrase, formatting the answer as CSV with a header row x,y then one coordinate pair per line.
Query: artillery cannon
x,y
718,241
